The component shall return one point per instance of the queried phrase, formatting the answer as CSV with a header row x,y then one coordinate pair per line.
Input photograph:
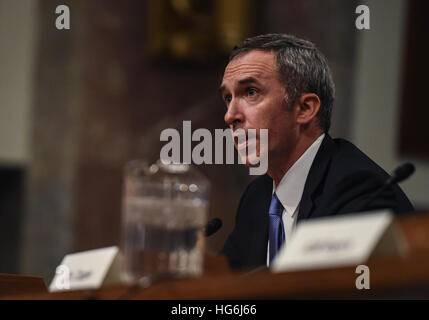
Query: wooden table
x,y
390,277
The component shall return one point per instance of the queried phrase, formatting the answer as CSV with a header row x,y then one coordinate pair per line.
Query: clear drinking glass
x,y
163,218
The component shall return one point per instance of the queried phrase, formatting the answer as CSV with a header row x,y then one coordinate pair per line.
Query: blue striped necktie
x,y
276,234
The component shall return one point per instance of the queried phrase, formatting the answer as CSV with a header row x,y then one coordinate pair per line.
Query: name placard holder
x,y
341,241
87,270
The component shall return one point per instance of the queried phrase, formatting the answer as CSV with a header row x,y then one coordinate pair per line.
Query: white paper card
x,y
339,241
87,270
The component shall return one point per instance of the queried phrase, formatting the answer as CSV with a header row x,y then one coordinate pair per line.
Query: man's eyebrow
x,y
242,81
248,80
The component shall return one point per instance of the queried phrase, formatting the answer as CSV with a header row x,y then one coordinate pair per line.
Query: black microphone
x,y
399,174
212,226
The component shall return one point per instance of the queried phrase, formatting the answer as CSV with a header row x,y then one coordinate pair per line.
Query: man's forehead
x,y
256,64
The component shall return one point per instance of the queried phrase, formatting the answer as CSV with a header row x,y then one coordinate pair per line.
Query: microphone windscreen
x,y
404,171
213,226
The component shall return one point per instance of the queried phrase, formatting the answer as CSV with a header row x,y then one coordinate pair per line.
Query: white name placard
x,y
340,241
87,270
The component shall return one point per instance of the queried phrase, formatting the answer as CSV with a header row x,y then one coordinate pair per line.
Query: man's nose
x,y
233,116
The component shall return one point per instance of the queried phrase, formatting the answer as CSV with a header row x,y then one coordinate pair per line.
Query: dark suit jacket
x,y
340,181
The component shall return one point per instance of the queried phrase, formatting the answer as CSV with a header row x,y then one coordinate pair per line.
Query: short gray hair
x,y
303,68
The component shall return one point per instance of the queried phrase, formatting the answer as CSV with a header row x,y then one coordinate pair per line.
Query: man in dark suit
x,y
283,84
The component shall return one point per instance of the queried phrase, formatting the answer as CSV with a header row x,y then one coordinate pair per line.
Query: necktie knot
x,y
276,207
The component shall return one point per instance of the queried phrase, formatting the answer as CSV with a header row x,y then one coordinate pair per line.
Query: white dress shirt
x,y
290,189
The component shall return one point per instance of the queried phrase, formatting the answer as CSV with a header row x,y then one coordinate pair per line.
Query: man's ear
x,y
309,105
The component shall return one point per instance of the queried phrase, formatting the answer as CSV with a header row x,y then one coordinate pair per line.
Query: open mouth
x,y
242,144
242,140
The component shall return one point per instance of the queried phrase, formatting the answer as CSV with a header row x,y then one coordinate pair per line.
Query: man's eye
x,y
251,92
228,99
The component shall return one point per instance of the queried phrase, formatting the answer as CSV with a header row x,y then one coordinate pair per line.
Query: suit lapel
x,y
315,177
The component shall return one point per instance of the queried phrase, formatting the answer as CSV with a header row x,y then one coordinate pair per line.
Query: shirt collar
x,y
290,189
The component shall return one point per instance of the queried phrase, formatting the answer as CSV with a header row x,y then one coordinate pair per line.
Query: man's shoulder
x,y
337,161
344,159
262,180
347,158
352,175
262,183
